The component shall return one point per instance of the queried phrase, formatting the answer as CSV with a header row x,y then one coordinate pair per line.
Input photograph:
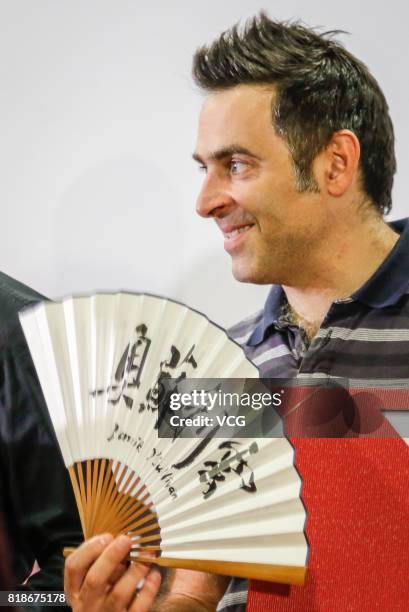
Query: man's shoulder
x,y
241,331
14,296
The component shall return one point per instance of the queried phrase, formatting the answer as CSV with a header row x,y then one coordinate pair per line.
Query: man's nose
x,y
213,199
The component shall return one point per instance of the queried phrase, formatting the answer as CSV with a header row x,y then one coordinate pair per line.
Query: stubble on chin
x,y
281,264
250,272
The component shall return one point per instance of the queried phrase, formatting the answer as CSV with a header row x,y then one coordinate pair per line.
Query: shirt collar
x,y
383,288
271,312
391,279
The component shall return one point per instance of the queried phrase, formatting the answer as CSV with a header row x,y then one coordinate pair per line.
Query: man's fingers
x,y
96,577
144,601
123,593
120,571
79,562
100,573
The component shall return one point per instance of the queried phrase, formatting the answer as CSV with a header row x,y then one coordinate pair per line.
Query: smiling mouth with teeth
x,y
238,231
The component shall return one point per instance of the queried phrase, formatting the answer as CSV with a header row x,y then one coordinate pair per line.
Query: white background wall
x,y
97,126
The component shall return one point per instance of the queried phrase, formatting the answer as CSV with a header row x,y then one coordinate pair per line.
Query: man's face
x,y
249,188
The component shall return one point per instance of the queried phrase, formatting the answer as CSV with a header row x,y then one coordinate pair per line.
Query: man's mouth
x,y
234,236
237,231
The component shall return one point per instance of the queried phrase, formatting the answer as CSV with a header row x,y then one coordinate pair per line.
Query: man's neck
x,y
348,266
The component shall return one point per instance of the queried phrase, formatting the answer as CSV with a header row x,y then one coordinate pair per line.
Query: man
x,y
297,149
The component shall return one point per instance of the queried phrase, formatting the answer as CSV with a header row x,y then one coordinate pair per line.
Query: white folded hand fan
x,y
225,506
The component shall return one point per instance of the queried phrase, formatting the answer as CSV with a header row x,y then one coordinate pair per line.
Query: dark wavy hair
x,y
320,88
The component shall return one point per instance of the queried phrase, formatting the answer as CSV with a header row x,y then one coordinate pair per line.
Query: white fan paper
x,y
99,359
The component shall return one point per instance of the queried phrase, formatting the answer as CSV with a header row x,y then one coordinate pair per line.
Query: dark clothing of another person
x,y
36,499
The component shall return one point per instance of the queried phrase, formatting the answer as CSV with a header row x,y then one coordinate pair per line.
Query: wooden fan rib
x,y
97,485
285,574
154,527
133,510
122,499
98,495
134,517
88,481
83,497
139,491
131,506
108,498
112,479
133,525
94,507
151,538
69,550
104,495
136,528
77,493
127,483
123,469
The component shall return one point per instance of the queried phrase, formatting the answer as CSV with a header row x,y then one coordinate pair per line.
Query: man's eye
x,y
202,168
237,166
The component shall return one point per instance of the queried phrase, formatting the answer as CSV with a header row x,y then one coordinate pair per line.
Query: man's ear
x,y
340,160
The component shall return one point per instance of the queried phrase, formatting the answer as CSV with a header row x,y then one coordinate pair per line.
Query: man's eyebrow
x,y
225,152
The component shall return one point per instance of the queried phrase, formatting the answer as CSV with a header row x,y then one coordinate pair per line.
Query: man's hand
x,y
96,578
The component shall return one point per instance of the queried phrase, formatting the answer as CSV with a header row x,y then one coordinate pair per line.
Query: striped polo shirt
x,y
364,338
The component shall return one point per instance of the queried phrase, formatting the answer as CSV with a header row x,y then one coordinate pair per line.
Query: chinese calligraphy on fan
x,y
129,371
